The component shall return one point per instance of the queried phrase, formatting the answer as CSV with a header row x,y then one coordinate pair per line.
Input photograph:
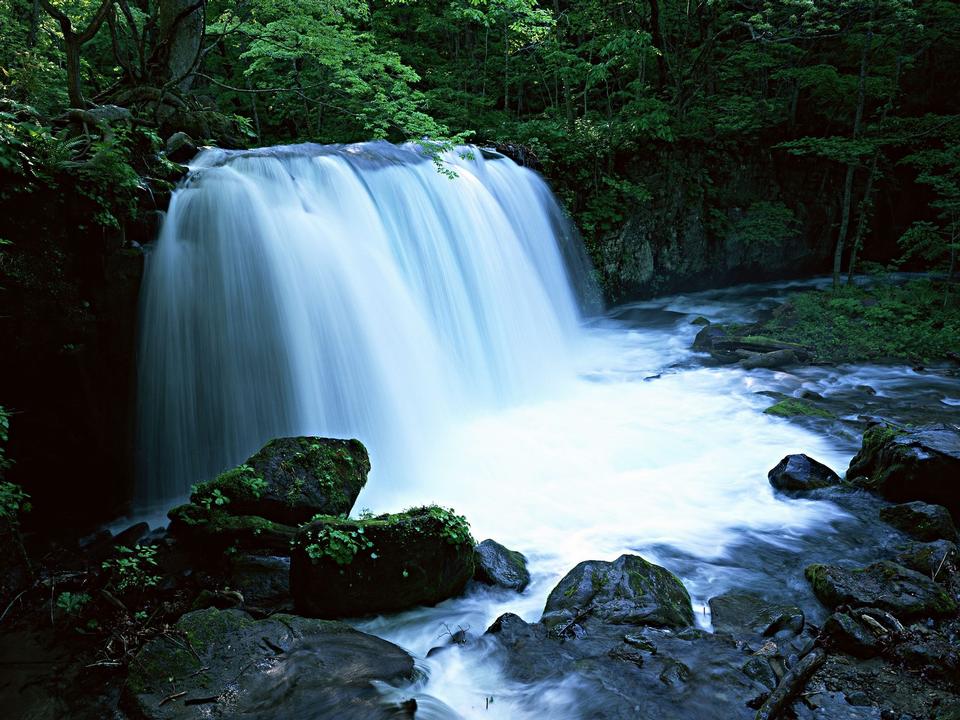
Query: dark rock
x,y
848,635
929,558
229,665
902,465
496,565
211,531
758,668
906,594
704,341
342,567
290,480
700,320
180,148
773,359
132,535
628,591
921,521
737,613
264,582
798,473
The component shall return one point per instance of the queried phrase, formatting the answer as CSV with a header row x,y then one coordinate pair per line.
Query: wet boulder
x,y
180,148
209,531
903,465
847,634
222,663
342,567
262,581
627,591
290,480
738,613
799,473
496,565
906,594
921,521
931,559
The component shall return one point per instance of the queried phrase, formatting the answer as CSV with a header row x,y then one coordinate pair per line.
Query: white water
x,y
357,292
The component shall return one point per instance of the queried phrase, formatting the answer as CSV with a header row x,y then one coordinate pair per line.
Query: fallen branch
x,y
792,683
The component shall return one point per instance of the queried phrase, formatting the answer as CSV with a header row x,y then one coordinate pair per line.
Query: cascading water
x,y
355,291
346,291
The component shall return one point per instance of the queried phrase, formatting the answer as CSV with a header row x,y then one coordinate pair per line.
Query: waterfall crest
x,y
346,291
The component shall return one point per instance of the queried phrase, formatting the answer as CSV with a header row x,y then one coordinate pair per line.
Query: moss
x,y
792,407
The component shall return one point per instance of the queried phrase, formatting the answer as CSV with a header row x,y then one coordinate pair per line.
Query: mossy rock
x,y
915,464
497,565
290,480
215,530
627,591
343,567
921,521
792,407
223,663
886,585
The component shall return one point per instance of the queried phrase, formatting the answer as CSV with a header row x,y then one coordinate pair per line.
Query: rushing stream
x,y
445,322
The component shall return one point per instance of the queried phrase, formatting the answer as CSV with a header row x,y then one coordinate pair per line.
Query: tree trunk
x,y
865,207
656,35
851,167
181,24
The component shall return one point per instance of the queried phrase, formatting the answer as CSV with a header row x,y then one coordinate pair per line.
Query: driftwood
x,y
791,684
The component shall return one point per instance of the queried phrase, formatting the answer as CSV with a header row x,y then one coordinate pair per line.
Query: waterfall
x,y
346,291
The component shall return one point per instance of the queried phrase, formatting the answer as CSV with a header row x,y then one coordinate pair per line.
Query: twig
x,y
791,684
940,566
172,696
22,592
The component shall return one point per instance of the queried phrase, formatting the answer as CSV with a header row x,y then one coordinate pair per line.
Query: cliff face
x,y
709,223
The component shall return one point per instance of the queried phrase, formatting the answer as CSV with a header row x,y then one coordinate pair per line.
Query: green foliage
x,y
72,603
133,570
339,545
454,528
894,322
13,501
766,223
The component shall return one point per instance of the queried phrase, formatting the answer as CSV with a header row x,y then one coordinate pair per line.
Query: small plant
x,y
454,528
133,569
339,545
72,603
13,501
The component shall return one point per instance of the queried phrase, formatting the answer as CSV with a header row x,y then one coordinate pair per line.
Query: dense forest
x,y
692,145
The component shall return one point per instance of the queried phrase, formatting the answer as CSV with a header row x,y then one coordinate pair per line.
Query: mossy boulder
x,y
222,663
290,480
792,407
921,521
213,530
903,592
800,473
627,591
343,567
902,465
496,565
933,559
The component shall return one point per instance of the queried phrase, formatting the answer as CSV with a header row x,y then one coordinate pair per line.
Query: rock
x,y
225,664
758,668
791,407
132,535
737,613
496,565
929,558
921,521
264,582
211,531
773,359
903,465
290,480
343,567
705,339
903,592
180,148
628,591
848,635
700,320
798,473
